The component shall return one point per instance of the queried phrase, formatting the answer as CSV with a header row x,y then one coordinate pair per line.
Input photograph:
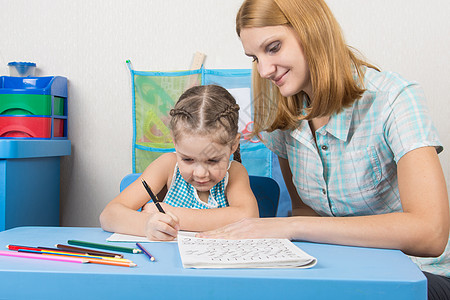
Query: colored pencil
x,y
46,257
111,262
151,257
17,247
87,251
79,252
41,255
74,255
155,200
103,246
56,250
105,261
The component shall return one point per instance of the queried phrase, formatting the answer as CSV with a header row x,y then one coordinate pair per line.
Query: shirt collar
x,y
338,126
339,123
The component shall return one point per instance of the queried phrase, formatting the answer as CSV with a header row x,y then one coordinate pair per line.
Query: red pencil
x,y
17,247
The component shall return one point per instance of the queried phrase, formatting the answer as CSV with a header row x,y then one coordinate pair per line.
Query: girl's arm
x,y
242,204
298,207
121,215
422,229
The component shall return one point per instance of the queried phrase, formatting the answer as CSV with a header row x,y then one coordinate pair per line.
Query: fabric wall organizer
x,y
155,93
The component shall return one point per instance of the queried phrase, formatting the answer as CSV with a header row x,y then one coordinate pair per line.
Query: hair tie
x,y
175,111
235,107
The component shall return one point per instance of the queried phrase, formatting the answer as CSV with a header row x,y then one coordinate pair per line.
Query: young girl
x,y
357,148
205,189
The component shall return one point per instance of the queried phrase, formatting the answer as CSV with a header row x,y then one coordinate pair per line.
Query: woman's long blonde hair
x,y
331,63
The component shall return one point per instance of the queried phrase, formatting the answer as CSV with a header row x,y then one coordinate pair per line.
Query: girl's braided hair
x,y
207,110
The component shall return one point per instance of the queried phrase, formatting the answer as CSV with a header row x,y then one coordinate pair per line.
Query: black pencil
x,y
155,200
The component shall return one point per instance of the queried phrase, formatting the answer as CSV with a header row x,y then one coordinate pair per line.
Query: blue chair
x,y
265,189
267,194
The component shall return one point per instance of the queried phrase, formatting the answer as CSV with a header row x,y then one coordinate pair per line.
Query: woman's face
x,y
279,57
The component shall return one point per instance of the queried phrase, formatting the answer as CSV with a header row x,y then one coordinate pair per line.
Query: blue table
x,y
341,273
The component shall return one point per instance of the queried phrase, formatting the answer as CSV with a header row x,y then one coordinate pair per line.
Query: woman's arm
x,y
242,204
121,215
298,207
422,229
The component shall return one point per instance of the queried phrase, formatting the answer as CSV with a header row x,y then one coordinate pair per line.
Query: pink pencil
x,y
47,257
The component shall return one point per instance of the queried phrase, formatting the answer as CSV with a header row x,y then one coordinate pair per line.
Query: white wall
x,y
89,41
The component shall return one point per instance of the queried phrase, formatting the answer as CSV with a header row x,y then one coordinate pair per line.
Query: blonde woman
x,y
357,148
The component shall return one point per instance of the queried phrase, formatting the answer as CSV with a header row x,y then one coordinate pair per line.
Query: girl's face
x,y
202,162
279,57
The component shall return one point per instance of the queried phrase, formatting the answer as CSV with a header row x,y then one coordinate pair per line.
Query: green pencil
x,y
103,246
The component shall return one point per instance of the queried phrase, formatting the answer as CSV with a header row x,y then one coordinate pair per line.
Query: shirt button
x,y
324,191
324,147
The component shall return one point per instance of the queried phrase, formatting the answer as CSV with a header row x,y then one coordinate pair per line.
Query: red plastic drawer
x,y
35,127
58,128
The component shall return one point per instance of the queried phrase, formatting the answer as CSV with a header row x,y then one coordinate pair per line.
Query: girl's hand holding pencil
x,y
162,227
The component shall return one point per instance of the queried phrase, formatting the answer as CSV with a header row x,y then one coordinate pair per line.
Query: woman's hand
x,y
162,227
250,228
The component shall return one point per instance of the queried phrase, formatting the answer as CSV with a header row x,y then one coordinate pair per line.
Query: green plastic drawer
x,y
29,104
59,106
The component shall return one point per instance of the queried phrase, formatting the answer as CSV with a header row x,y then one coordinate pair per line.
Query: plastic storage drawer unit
x,y
33,107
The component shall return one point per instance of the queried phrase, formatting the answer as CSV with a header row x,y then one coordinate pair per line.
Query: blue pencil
x,y
151,257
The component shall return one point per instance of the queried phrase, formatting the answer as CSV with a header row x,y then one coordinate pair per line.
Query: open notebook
x,y
248,253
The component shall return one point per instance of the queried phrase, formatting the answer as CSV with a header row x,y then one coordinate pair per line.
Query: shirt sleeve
x,y
408,124
276,142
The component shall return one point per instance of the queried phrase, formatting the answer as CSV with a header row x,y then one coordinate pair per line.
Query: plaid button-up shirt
x,y
351,168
